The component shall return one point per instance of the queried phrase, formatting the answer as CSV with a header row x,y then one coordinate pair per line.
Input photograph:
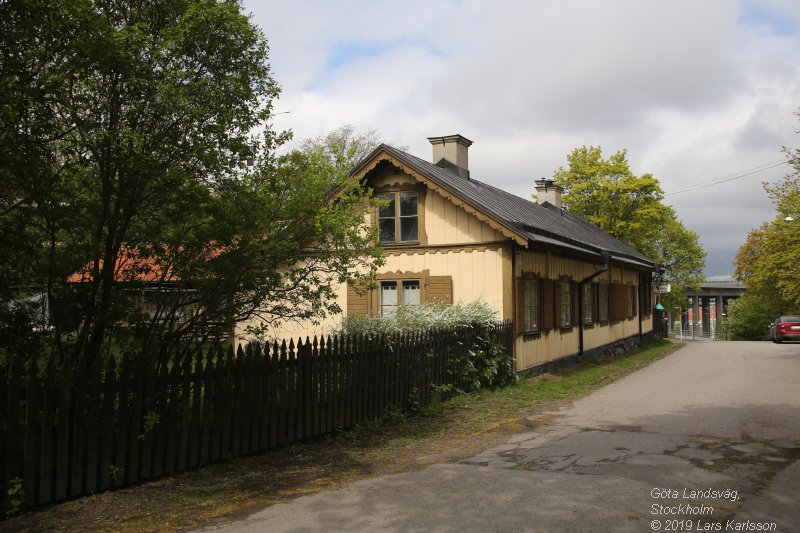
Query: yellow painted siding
x,y
476,273
554,344
448,224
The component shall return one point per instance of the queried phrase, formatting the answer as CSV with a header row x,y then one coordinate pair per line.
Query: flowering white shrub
x,y
481,361
423,317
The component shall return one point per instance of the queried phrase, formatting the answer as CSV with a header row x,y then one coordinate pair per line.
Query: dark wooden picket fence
x,y
76,429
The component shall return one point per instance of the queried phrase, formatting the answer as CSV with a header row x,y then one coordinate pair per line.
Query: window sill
x,y
402,244
529,335
565,329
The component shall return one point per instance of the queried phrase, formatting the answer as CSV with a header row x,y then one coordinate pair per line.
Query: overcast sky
x,y
695,90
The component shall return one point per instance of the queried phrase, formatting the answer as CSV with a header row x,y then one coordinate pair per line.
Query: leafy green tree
x,y
768,260
749,317
345,147
608,194
124,132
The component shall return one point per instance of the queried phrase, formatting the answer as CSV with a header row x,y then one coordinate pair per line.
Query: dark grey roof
x,y
544,224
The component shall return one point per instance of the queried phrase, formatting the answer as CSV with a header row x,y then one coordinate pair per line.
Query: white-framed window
x,y
396,293
398,217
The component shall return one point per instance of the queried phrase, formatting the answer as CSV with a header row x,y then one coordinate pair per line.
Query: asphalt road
x,y
707,439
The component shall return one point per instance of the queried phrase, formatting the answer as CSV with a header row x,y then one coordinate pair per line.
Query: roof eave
x,y
589,250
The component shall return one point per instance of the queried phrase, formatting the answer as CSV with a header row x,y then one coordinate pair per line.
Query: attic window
x,y
398,217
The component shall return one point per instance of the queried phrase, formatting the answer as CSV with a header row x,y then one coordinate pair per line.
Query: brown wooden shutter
x,y
357,301
520,302
440,289
595,302
548,307
618,296
557,303
635,298
576,313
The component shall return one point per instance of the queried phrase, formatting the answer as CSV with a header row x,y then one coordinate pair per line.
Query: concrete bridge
x,y
709,307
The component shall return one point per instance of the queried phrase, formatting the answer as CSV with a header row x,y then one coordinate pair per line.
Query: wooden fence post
x,y
63,438
123,423
209,397
32,443
49,399
93,427
274,393
108,414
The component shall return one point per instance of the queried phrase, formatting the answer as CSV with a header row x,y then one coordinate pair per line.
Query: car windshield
x,y
790,319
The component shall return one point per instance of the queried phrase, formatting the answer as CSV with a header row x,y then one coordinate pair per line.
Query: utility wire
x,y
730,177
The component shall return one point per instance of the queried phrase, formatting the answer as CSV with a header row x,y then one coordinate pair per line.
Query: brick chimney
x,y
450,152
548,191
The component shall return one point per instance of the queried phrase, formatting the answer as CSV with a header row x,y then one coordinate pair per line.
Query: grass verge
x,y
442,432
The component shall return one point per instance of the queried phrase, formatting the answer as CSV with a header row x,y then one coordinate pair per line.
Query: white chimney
x,y
450,152
548,191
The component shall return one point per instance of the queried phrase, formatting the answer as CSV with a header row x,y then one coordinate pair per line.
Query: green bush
x,y
750,317
484,362
487,364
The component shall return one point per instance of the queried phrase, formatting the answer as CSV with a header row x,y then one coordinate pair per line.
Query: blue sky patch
x,y
344,53
757,14
347,52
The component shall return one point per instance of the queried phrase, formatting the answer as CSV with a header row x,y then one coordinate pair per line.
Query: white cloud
x,y
693,90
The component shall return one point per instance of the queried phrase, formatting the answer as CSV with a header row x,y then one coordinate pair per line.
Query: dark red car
x,y
785,328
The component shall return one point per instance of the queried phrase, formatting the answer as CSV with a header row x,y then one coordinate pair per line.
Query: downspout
x,y
603,268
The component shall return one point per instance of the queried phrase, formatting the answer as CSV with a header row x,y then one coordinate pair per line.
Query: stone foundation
x,y
595,355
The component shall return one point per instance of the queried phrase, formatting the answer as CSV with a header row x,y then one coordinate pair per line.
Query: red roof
x,y
139,263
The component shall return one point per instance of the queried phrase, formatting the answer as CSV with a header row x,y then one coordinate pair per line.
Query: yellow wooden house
x,y
568,286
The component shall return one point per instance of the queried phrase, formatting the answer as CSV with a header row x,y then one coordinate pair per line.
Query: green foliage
x,y
16,497
125,128
115,472
484,363
344,147
415,405
608,194
151,420
749,317
487,364
768,260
